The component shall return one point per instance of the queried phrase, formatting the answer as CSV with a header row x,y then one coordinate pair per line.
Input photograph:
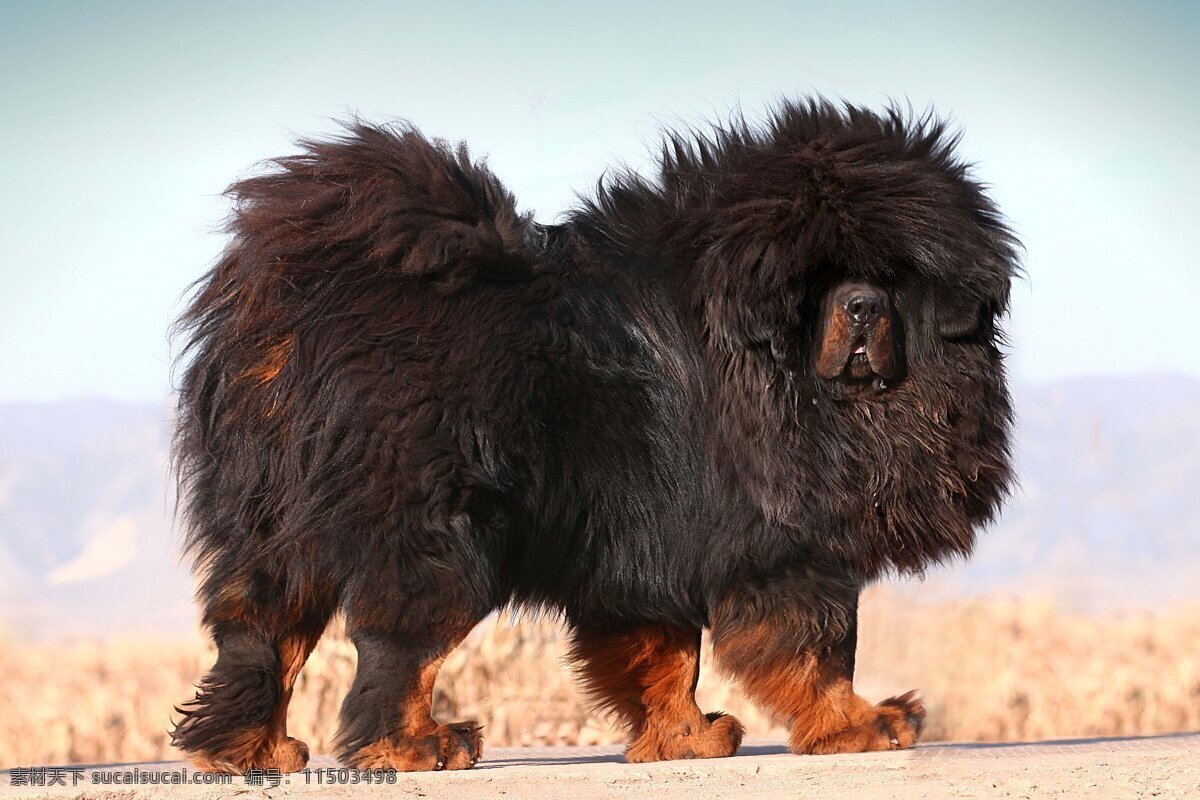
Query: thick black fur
x,y
407,401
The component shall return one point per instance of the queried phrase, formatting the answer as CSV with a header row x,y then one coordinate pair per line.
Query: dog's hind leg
x,y
647,677
387,716
238,719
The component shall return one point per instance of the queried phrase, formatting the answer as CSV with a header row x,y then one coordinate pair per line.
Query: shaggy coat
x,y
407,402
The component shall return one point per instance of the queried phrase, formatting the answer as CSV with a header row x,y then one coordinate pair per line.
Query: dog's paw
x,y
287,755
716,736
455,746
904,718
894,724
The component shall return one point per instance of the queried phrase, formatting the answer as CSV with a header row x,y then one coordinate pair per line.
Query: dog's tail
x,y
378,203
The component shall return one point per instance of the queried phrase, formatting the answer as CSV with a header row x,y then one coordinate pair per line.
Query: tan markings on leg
x,y
417,713
293,652
422,744
813,693
647,678
269,747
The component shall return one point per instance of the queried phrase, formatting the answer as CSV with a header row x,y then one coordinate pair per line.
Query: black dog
x,y
728,398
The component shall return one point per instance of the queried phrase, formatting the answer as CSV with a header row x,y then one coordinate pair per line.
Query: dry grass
x,y
992,671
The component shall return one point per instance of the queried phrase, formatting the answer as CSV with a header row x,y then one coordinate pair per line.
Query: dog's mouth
x,y
859,337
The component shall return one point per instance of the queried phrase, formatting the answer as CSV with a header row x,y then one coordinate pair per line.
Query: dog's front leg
x,y
790,643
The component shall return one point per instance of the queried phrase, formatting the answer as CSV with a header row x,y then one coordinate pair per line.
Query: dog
x,y
725,398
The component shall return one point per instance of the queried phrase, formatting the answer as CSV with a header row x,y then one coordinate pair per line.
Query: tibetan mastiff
x,y
727,397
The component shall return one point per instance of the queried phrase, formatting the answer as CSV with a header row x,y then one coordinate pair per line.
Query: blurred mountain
x,y
1107,515
85,521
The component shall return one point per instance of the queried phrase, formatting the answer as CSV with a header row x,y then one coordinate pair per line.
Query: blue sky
x,y
123,122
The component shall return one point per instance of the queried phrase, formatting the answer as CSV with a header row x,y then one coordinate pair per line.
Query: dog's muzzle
x,y
858,340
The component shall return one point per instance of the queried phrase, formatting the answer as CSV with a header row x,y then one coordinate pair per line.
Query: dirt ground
x,y
1159,767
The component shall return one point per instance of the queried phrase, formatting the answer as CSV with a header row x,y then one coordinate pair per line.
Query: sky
x,y
123,122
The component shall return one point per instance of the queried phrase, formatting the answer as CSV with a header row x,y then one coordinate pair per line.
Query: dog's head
x,y
849,277
843,246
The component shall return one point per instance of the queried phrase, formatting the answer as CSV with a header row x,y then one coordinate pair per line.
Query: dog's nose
x,y
864,307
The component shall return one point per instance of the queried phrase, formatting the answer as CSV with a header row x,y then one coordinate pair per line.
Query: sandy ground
x,y
1158,767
